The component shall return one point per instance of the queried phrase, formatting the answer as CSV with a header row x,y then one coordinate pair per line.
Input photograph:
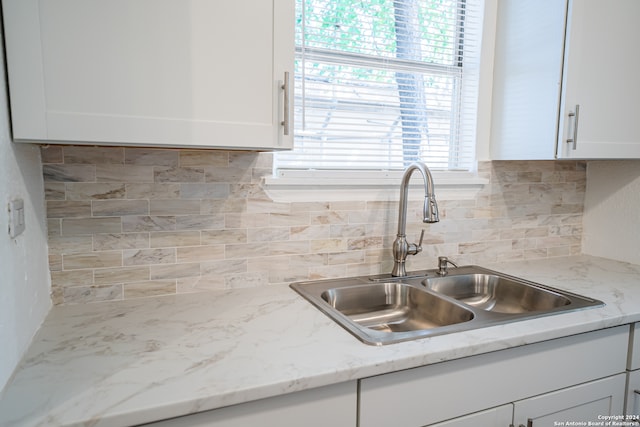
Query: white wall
x,y
24,271
612,210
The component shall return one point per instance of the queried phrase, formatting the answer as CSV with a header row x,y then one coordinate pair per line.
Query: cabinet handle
x,y
285,88
576,116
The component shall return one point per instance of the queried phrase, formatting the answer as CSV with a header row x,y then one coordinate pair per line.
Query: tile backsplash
x,y
137,222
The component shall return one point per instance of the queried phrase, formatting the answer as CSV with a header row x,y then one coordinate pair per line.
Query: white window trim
x,y
323,186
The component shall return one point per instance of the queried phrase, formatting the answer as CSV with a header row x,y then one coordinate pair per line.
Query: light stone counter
x,y
136,361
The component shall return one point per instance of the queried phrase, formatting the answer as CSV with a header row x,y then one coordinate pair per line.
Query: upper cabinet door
x,y
600,76
183,73
552,56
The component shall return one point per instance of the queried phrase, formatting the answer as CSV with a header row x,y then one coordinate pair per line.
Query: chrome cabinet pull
x,y
285,88
576,116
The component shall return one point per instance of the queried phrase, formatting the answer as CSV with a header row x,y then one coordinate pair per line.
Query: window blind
x,y
382,83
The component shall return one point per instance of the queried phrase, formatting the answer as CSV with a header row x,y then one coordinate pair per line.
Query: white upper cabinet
x,y
183,73
564,80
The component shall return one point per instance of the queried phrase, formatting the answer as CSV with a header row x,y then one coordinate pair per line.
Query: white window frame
x,y
342,185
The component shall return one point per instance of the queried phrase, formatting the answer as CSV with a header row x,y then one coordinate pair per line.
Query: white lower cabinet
x,y
333,405
583,404
579,373
567,381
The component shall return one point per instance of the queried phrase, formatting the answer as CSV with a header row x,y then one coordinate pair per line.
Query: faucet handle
x,y
413,248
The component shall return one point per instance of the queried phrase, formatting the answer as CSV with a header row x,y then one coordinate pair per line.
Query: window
x,y
382,83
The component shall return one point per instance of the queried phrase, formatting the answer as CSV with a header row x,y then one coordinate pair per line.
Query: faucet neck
x,y
430,211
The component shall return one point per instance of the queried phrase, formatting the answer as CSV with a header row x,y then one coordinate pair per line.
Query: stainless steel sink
x,y
495,293
394,307
382,310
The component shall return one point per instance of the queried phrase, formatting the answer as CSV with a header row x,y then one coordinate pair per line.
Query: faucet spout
x,y
401,248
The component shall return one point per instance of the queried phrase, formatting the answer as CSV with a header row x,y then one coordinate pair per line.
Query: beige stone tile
x,y
199,253
93,155
122,173
54,190
222,268
148,256
268,234
178,174
105,276
221,237
308,260
309,232
119,207
69,173
348,230
174,271
321,272
51,153
54,227
228,174
350,257
152,191
55,262
77,226
95,191
151,157
218,206
70,244
148,223
246,250
327,245
267,206
251,191
288,220
209,158
204,191
333,217
64,279
250,159
149,288
288,248
243,220
310,207
353,205
164,239
364,243
199,222
174,207
199,284
92,260
68,209
105,242
88,294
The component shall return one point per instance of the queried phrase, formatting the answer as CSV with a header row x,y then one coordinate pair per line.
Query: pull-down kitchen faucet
x,y
401,248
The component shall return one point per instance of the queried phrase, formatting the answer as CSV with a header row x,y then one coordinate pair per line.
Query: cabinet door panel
x,y
600,76
583,403
150,72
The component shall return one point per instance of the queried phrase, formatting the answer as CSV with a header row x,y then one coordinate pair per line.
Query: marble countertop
x,y
137,361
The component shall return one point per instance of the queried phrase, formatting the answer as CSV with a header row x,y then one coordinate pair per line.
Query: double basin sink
x,y
382,310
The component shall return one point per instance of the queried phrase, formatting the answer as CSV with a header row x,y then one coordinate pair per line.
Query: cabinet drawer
x,y
333,405
450,389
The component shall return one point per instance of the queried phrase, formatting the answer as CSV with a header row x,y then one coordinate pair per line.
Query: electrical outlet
x,y
16,217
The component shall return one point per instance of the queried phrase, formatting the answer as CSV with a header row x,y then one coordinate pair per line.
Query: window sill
x,y
315,186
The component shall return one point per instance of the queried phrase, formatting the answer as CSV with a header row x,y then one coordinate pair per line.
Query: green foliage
x,y
367,27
